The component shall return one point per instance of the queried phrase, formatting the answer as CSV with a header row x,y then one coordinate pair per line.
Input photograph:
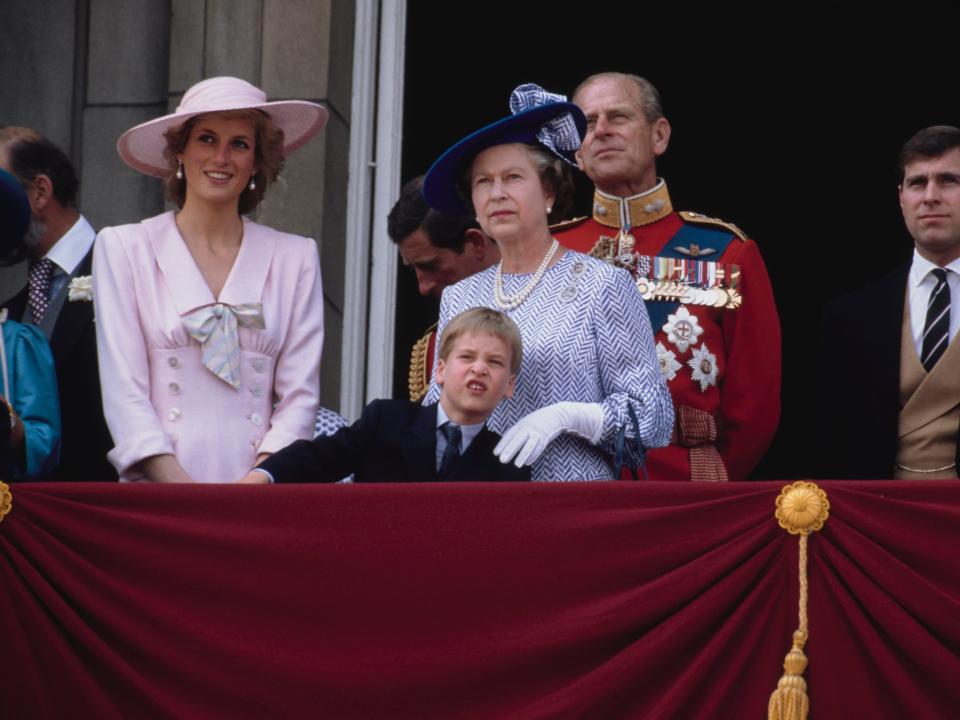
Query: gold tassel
x,y
789,701
802,508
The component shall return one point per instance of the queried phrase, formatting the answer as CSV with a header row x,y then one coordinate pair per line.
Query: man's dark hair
x,y
931,142
30,154
412,212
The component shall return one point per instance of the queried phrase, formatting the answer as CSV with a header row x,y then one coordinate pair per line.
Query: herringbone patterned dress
x,y
586,338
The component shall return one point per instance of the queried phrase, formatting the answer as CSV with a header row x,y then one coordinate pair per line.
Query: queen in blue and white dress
x,y
588,351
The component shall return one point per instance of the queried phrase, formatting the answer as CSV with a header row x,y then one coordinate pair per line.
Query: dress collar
x,y
188,289
642,209
921,268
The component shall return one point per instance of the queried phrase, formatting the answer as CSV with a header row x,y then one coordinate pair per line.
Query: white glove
x,y
528,438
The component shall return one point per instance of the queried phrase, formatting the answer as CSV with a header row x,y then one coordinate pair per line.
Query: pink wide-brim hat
x,y
142,146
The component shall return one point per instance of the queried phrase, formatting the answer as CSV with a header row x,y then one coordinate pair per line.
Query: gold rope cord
x,y
418,378
802,508
6,499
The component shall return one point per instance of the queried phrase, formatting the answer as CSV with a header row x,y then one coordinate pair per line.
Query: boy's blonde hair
x,y
485,321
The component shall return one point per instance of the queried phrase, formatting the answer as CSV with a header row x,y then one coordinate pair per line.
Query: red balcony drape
x,y
580,600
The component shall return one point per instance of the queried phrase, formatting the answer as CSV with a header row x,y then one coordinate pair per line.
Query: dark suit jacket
x,y
85,438
393,441
859,377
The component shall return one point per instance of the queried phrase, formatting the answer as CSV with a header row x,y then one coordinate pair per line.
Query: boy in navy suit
x,y
401,441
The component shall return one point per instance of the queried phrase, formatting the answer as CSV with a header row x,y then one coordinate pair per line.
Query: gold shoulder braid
x,y
6,499
700,219
419,378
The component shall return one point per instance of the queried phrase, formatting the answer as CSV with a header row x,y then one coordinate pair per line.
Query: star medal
x,y
683,329
704,368
668,362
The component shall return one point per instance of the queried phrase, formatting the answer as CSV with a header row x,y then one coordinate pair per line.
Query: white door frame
x,y
374,184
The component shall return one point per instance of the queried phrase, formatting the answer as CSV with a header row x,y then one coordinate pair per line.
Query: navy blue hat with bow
x,y
539,117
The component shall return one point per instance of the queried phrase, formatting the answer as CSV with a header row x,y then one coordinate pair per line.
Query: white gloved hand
x,y
529,437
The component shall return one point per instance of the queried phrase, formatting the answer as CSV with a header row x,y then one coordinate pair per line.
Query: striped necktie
x,y
936,328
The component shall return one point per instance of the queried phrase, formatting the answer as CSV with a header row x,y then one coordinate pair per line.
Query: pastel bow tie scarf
x,y
215,327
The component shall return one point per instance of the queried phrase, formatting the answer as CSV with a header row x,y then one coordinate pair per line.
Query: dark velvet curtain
x,y
608,600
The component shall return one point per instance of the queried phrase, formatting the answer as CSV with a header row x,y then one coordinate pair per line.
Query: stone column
x,y
126,84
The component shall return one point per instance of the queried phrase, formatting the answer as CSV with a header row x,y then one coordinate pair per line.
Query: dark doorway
x,y
792,135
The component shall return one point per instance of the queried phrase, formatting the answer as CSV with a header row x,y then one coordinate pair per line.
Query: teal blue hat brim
x,y
440,182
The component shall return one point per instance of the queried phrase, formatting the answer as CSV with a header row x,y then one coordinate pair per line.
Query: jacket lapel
x,y
249,272
420,445
188,289
879,359
73,318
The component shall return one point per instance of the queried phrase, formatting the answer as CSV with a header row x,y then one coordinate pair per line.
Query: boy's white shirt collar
x,y
467,432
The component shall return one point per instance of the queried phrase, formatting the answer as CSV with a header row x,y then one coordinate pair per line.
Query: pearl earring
x,y
549,209
253,183
179,169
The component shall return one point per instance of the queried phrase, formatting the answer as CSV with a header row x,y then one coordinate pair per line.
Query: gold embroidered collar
x,y
637,210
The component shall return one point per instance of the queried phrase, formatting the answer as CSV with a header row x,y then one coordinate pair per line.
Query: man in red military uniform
x,y
709,298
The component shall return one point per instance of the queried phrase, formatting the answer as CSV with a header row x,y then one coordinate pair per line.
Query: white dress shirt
x,y
920,284
68,252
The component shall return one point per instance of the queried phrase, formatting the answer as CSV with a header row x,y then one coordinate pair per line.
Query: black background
x,y
788,126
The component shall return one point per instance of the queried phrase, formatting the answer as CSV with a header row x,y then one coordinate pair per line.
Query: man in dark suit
x,y
400,441
57,297
890,362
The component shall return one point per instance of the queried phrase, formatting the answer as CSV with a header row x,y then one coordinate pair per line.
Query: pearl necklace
x,y
512,302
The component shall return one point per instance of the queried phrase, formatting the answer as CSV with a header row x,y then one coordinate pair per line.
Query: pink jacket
x,y
158,397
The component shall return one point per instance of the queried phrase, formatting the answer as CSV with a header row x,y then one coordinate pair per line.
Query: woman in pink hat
x,y
209,325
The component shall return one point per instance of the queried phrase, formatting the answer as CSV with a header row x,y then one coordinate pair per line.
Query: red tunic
x,y
740,408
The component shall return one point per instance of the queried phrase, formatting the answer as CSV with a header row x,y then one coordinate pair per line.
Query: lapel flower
x,y
81,289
